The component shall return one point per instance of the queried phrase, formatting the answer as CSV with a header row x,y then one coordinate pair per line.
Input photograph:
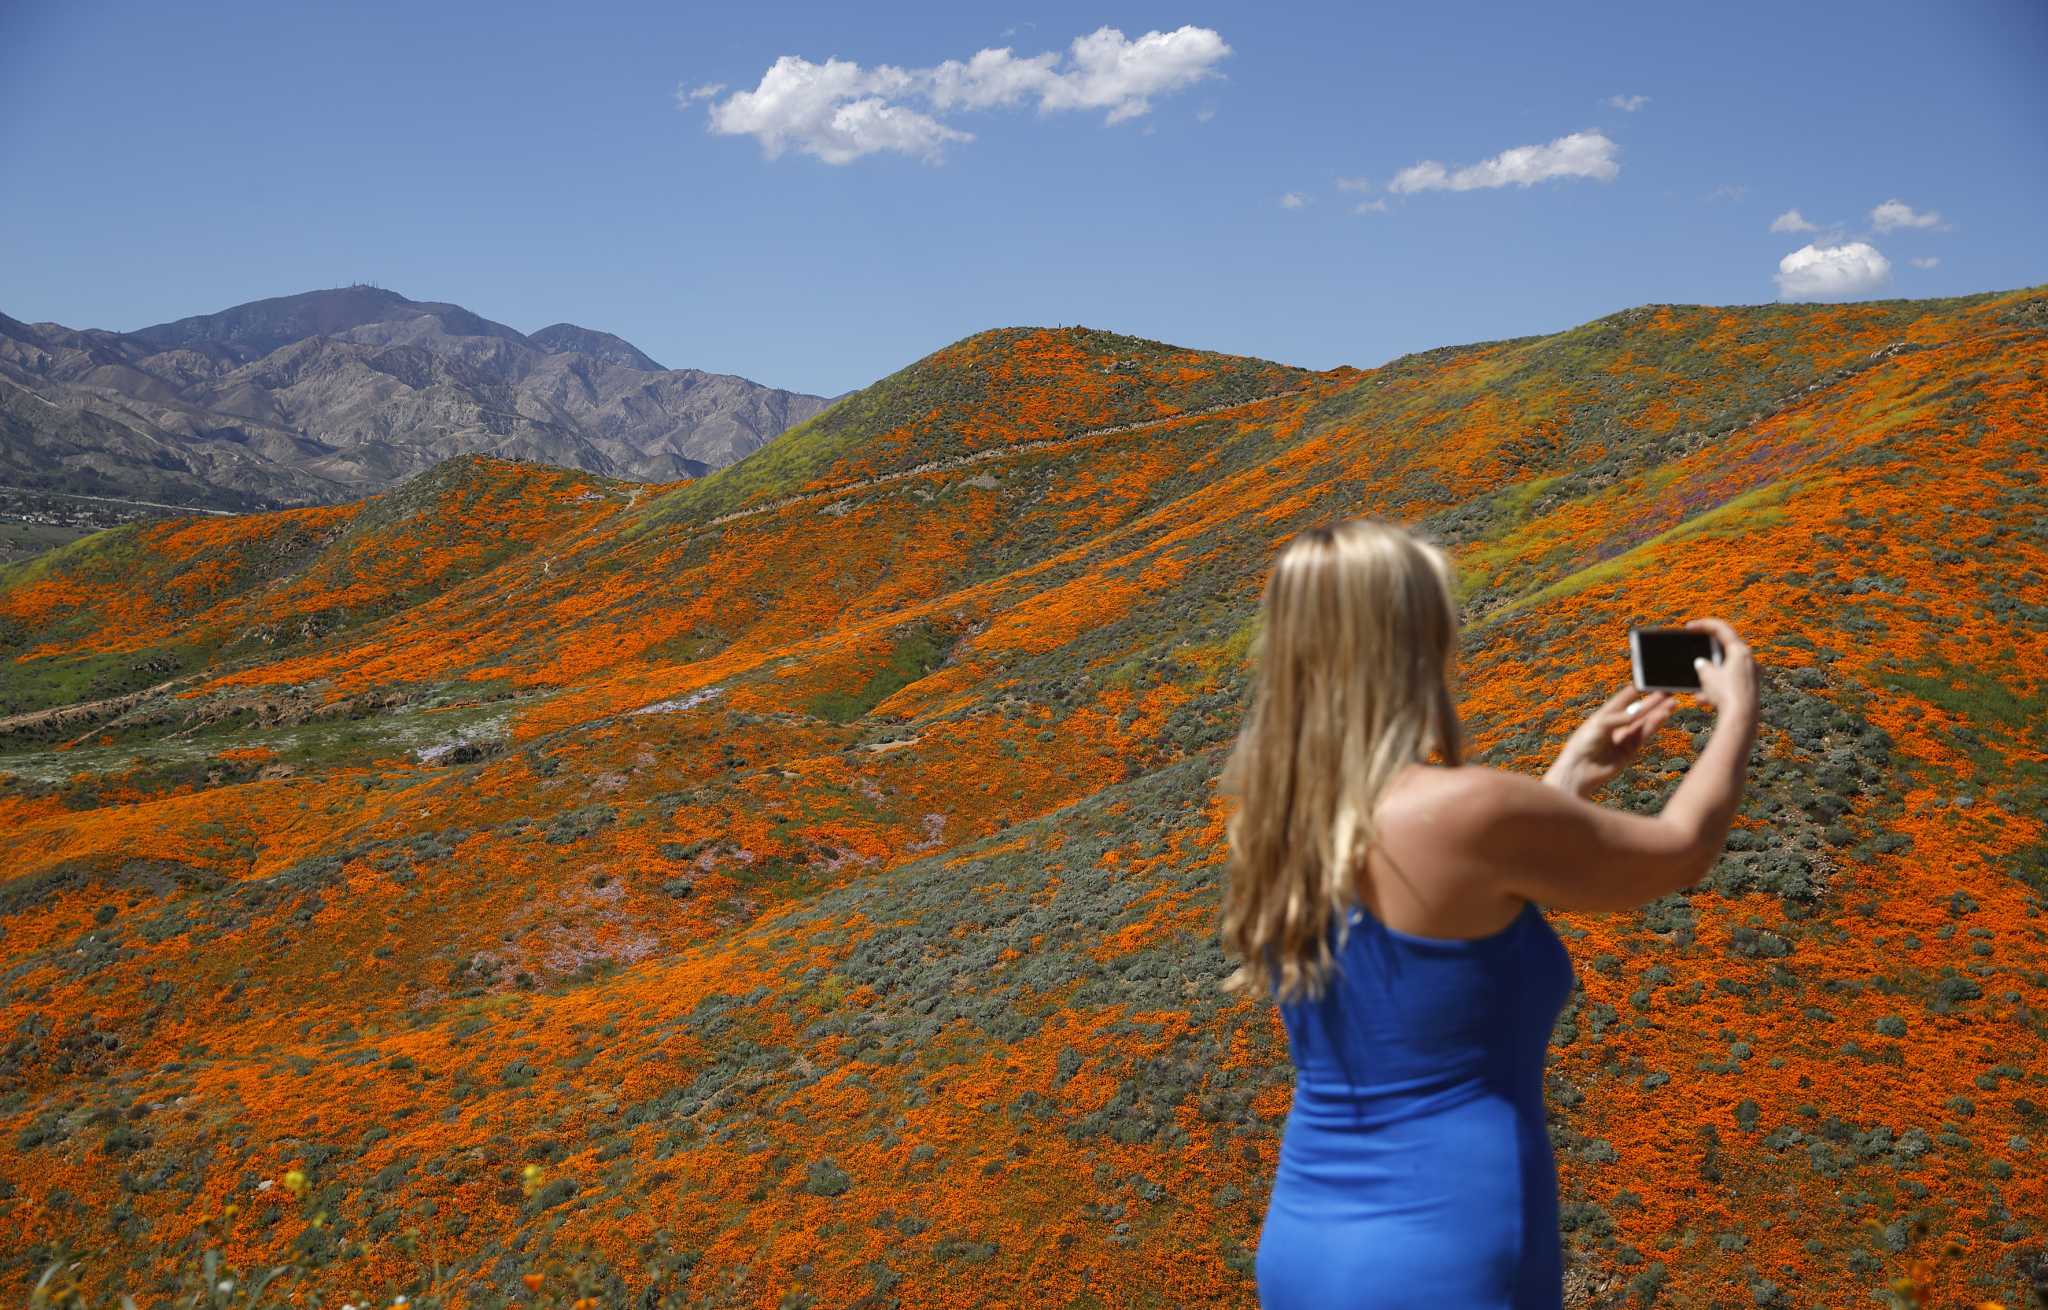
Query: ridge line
x,y
994,453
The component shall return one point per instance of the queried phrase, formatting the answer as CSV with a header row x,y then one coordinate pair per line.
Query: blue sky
x,y
533,163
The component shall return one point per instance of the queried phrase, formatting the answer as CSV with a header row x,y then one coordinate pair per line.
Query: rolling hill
x,y
795,886
329,395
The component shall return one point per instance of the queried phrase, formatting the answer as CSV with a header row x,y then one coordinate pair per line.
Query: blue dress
x,y
1416,1168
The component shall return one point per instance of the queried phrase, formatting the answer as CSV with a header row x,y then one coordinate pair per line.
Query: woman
x,y
1389,907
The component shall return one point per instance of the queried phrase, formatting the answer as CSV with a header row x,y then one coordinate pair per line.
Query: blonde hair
x,y
1358,635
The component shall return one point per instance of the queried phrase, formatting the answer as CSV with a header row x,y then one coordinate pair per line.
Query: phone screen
x,y
1664,656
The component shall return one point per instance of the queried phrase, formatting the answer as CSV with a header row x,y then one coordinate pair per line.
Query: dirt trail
x,y
87,712
996,453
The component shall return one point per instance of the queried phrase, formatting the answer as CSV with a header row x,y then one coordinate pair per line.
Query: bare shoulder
x,y
1466,799
1435,868
1492,831
1473,819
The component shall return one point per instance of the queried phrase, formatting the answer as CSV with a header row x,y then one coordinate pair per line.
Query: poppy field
x,y
796,887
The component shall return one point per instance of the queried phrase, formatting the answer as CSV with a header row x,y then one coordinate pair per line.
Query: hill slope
x,y
329,395
810,870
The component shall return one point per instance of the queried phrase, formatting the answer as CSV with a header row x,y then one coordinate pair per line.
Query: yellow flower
x,y
532,1175
295,1182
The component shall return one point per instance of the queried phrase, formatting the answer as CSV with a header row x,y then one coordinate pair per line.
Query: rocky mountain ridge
x,y
330,395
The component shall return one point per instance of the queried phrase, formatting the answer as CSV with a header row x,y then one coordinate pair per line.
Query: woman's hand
x,y
1729,685
1608,741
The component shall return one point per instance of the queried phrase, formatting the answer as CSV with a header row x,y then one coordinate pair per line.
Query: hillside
x,y
795,887
330,395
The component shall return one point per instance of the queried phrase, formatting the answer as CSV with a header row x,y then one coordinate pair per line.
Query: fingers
x,y
1650,703
1642,719
1627,702
1613,712
1652,708
1655,716
1721,629
1705,669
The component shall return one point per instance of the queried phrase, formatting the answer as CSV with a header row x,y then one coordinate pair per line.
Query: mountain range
x,y
330,395
796,886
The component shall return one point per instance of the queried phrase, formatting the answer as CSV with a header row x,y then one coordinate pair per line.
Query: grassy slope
x,y
874,955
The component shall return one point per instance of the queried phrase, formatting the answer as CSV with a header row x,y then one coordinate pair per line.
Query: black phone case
x,y
1635,653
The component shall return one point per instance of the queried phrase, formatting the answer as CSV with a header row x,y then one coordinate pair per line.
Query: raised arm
x,y
1562,851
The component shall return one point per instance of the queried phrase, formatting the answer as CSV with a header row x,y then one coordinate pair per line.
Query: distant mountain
x,y
332,395
567,338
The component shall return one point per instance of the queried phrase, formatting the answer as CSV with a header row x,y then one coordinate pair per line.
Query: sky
x,y
814,196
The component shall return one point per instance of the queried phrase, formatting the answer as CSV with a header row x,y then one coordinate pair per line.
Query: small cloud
x,y
1293,200
1895,214
1204,114
1354,184
1832,272
1793,221
705,92
1728,191
1581,154
1925,261
1627,104
1370,207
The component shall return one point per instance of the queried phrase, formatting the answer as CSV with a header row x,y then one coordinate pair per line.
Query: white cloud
x,y
1925,261
1370,207
1728,191
1895,214
1293,200
694,94
835,110
990,78
1109,72
1582,154
1832,272
839,111
1204,115
1627,104
1792,221
1354,184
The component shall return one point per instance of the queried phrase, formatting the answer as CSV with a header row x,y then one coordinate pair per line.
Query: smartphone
x,y
1663,657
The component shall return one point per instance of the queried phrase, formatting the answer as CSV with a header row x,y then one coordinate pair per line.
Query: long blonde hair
x,y
1358,634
